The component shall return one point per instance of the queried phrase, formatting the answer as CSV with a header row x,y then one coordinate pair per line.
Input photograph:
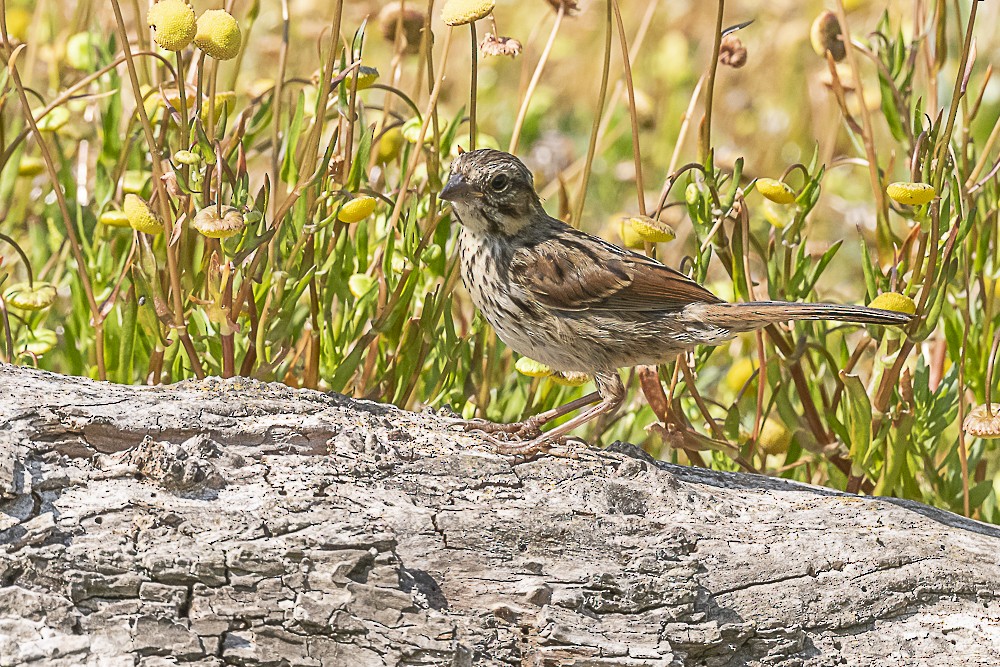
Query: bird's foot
x,y
523,439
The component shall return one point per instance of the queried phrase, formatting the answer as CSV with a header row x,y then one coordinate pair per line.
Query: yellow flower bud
x,y
173,24
360,284
53,120
31,297
389,145
911,194
357,209
650,229
133,182
140,217
460,12
774,437
30,166
114,219
189,158
738,374
570,378
218,34
366,77
894,301
209,223
40,341
776,191
532,368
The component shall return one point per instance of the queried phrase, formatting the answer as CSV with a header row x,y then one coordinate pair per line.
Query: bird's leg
x,y
611,392
531,427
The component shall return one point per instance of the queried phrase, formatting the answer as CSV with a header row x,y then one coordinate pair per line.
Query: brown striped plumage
x,y
578,303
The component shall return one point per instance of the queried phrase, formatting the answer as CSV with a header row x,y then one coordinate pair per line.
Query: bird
x,y
580,304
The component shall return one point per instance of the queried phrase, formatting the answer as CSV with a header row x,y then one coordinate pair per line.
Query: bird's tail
x,y
757,314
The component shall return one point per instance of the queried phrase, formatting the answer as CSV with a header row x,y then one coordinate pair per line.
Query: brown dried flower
x,y
732,52
492,45
570,7
983,421
825,35
412,20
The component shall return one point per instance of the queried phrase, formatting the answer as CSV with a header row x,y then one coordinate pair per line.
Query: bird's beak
x,y
457,188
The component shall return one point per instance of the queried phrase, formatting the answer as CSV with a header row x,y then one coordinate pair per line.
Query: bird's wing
x,y
575,271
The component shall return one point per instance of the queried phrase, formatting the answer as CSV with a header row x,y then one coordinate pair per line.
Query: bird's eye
x,y
499,182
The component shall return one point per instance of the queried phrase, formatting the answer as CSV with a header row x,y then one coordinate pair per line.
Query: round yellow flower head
x,y
140,217
360,284
173,24
983,421
209,223
31,297
218,34
460,12
776,191
911,194
114,219
651,229
357,209
774,437
30,166
532,368
894,301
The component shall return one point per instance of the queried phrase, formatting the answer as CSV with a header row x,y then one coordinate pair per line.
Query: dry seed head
x,y
570,7
31,297
732,52
911,194
140,217
983,422
460,12
173,24
776,191
532,368
651,230
493,45
894,301
413,21
114,219
357,209
209,223
218,34
825,35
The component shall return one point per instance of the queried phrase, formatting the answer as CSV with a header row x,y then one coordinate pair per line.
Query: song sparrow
x,y
578,303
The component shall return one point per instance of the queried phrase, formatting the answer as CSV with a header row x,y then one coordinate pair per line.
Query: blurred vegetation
x,y
298,236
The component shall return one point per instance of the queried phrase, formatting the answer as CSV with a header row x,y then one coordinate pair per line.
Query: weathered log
x,y
231,522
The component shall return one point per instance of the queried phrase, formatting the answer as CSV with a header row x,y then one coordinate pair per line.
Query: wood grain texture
x,y
240,523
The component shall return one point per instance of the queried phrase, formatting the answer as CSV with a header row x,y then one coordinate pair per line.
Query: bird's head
x,y
491,191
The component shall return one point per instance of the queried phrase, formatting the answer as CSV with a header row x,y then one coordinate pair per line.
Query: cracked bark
x,y
240,523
